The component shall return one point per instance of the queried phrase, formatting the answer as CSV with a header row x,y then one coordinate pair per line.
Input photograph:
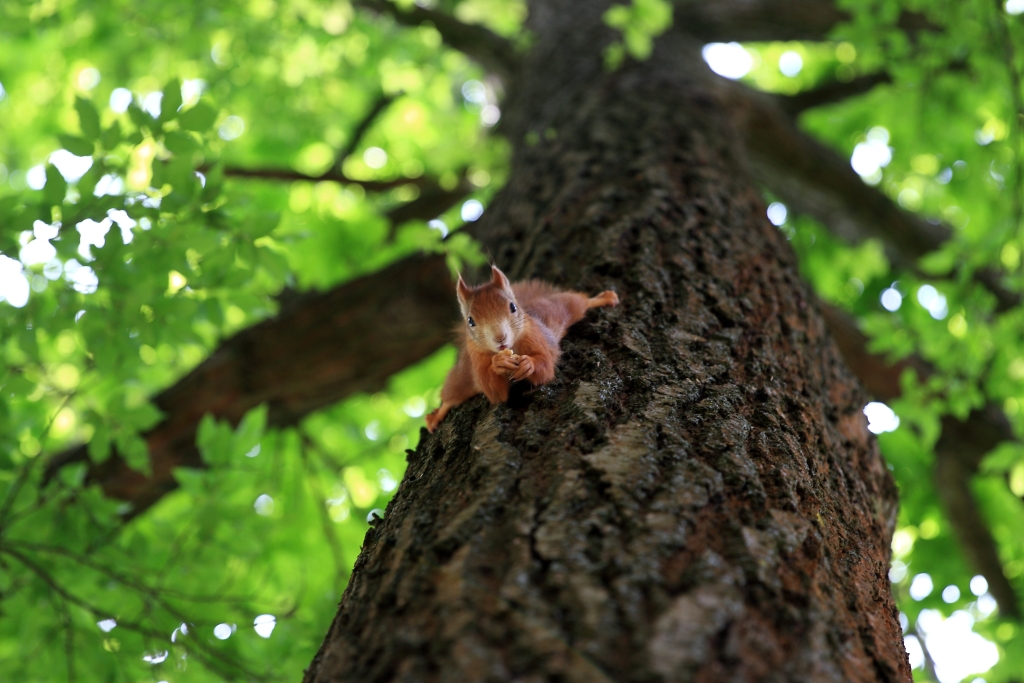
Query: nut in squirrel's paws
x,y
505,362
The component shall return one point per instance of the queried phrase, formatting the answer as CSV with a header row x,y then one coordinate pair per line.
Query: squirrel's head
x,y
491,314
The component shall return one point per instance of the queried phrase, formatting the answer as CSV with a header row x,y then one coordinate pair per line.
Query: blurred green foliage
x,y
639,22
132,254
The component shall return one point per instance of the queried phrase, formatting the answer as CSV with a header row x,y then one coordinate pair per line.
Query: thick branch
x,y
354,337
837,91
321,348
957,455
958,452
756,20
494,53
760,20
831,92
816,181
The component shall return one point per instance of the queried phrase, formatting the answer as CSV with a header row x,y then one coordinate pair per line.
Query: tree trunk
x,y
695,497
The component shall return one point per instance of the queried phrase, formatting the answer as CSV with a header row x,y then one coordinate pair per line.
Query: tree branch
x,y
321,348
201,651
359,131
494,53
331,174
335,172
757,20
766,20
816,181
958,452
831,92
432,203
354,337
837,91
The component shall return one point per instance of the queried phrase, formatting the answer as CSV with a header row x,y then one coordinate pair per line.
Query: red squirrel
x,y
511,333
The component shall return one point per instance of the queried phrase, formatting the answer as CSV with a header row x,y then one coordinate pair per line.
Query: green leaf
x,y
134,450
99,444
88,118
215,440
180,142
87,183
199,118
56,187
76,145
250,430
171,100
111,136
141,118
938,262
639,23
214,183
182,177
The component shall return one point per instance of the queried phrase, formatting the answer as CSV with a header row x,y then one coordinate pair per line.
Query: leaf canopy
x,y
136,238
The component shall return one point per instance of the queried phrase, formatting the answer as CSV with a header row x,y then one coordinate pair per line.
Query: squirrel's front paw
x,y
524,370
432,421
504,363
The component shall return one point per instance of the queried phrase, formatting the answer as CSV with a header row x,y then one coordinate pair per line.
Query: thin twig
x,y
929,663
69,639
331,174
364,125
204,653
493,52
26,469
320,500
1002,31
152,591
429,205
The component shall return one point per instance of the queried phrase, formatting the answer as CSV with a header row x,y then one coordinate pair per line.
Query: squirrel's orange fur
x,y
510,332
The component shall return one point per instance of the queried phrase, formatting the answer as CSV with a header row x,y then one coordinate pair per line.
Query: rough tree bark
x,y
696,495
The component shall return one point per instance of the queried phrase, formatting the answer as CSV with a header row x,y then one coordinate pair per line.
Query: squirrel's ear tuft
x,y
498,278
462,291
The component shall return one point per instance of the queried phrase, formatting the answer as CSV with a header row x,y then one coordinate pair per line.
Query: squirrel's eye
x,y
472,323
513,307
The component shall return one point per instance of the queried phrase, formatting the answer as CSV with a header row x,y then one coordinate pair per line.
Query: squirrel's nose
x,y
501,339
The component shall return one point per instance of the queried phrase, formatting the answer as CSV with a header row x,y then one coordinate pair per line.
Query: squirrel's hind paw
x,y
605,298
